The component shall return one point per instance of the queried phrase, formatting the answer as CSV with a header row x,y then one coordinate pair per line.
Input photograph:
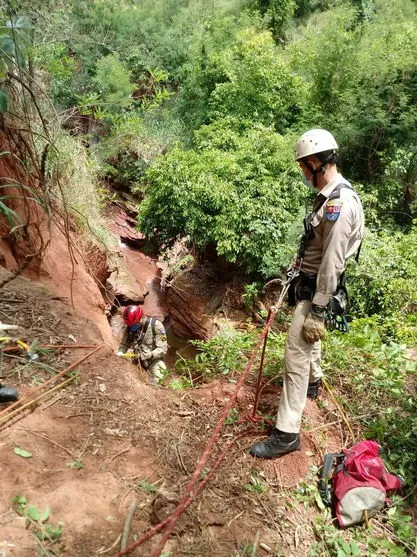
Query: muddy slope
x,y
109,437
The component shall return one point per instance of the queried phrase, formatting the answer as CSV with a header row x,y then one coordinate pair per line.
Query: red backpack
x,y
359,482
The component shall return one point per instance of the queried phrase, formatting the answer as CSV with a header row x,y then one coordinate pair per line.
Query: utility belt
x,y
304,288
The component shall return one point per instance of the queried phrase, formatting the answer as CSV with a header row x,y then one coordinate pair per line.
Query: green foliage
x,y
235,191
384,280
4,101
355,541
22,452
377,385
148,487
362,83
113,80
308,494
180,383
250,294
123,156
277,12
232,417
256,484
62,71
348,67
38,520
15,40
260,86
226,353
206,64
72,171
399,184
77,464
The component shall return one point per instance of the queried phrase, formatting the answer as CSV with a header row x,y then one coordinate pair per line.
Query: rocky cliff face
x,y
193,298
46,246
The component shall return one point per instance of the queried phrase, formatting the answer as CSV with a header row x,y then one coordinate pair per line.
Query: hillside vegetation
x,y
193,108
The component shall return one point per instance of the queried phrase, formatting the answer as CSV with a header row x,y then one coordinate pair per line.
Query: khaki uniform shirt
x,y
338,231
148,346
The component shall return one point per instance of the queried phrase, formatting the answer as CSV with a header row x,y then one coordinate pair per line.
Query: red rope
x,y
258,418
204,457
261,367
189,496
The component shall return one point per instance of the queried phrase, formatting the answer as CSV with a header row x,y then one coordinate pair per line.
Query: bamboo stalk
x,y
5,418
6,411
52,346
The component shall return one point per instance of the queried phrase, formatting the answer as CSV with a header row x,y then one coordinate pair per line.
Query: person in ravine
x,y
333,233
145,338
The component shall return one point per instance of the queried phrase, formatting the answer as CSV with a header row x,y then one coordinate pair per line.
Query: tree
x,y
239,192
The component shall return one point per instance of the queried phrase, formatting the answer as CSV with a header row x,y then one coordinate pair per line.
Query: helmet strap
x,y
315,172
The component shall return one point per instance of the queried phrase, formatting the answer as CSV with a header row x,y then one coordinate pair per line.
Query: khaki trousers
x,y
302,363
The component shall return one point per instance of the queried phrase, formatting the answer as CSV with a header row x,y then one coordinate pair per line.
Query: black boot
x,y
278,444
313,389
8,394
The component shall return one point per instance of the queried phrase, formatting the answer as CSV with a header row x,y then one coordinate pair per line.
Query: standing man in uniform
x,y
146,338
333,232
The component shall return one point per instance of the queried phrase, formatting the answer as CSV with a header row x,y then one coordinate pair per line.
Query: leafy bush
x,y
113,80
259,84
362,83
275,12
237,191
384,281
377,383
62,73
227,352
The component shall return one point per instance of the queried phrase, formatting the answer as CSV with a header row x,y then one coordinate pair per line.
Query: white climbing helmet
x,y
313,142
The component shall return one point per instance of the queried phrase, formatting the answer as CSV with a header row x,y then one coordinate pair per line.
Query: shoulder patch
x,y
333,208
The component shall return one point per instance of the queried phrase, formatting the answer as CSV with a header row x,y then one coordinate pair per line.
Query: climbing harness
x,y
304,287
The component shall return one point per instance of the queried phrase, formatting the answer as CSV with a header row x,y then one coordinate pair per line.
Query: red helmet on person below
x,y
132,315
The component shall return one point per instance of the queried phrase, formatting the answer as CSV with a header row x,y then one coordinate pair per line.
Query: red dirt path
x,y
124,431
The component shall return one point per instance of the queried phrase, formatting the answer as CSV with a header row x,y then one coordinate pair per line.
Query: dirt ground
x,y
109,437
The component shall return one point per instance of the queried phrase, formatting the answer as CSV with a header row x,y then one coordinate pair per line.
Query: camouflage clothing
x,y
149,342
